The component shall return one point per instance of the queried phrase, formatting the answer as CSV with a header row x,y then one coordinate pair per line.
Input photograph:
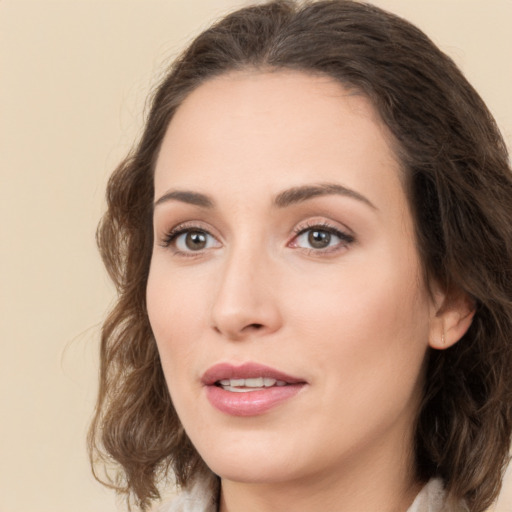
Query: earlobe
x,y
451,321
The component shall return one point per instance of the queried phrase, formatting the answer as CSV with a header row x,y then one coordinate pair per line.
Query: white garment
x,y
431,499
198,499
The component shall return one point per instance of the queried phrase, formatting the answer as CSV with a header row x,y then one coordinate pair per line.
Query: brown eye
x,y
318,239
196,240
191,240
323,239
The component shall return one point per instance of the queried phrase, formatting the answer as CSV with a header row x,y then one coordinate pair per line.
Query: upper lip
x,y
251,370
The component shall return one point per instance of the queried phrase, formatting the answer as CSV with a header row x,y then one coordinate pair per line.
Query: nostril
x,y
254,326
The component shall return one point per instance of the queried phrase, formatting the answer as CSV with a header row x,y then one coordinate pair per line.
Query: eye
x,y
190,239
193,241
321,238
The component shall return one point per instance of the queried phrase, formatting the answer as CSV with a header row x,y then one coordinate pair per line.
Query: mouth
x,y
249,385
250,389
247,376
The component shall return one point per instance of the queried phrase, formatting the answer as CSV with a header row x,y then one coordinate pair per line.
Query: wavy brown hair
x,y
459,187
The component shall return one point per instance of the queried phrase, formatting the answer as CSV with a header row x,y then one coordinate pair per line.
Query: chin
x,y
253,460
252,471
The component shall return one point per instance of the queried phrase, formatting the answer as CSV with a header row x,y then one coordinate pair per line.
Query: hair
x,y
459,187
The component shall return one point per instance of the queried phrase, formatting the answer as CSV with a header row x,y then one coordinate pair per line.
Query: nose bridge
x,y
245,301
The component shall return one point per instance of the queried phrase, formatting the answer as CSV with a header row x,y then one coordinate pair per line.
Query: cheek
x,y
367,346
371,319
176,309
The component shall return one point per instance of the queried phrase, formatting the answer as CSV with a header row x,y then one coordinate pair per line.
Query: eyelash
x,y
170,238
346,239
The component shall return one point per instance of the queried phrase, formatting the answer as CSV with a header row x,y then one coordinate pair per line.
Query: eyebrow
x,y
186,196
303,193
286,198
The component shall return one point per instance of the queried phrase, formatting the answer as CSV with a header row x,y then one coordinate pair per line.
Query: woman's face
x,y
285,291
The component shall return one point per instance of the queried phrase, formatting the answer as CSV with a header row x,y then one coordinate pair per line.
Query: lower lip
x,y
250,403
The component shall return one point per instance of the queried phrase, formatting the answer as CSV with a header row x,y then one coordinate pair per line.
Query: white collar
x,y
432,499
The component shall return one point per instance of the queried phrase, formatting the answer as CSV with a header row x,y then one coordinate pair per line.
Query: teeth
x,y
243,385
254,383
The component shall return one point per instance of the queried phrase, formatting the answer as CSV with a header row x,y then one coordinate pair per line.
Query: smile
x,y
249,385
248,390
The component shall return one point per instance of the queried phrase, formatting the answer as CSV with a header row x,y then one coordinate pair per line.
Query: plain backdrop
x,y
74,75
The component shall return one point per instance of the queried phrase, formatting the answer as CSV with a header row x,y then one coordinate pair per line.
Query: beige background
x,y
73,78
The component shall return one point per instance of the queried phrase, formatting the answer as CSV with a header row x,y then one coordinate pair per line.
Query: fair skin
x,y
324,285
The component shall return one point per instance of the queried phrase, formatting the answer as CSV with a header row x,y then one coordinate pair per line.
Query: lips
x,y
226,371
250,389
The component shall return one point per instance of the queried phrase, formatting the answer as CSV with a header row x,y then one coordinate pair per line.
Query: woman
x,y
312,246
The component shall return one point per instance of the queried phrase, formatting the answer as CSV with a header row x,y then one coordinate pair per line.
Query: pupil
x,y
195,240
319,239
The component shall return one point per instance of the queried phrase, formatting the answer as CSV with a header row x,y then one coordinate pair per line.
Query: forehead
x,y
286,127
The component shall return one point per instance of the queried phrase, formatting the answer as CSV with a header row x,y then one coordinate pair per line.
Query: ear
x,y
452,314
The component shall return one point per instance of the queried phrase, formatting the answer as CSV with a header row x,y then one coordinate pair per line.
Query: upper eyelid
x,y
340,233
323,224
191,225
169,235
318,225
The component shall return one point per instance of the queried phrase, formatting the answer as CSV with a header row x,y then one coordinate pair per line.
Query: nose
x,y
246,303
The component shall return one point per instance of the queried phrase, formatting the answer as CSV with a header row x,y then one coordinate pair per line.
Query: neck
x,y
382,480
